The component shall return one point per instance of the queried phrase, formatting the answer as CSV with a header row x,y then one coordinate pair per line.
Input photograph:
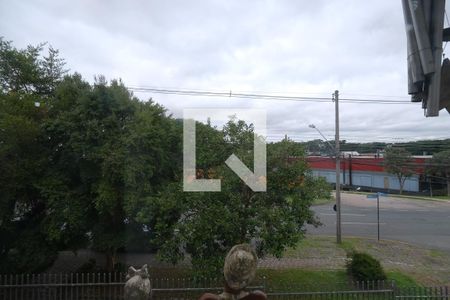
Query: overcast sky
x,y
301,48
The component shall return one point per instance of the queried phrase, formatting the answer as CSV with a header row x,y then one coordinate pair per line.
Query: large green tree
x,y
399,162
209,223
78,161
27,80
109,152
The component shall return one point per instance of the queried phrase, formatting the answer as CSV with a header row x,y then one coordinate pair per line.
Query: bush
x,y
91,266
363,267
30,253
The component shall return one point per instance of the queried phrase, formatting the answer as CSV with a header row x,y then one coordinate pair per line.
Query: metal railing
x,y
109,286
62,286
436,293
368,294
99,286
441,293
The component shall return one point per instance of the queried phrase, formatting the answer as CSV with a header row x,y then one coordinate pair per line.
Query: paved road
x,y
424,223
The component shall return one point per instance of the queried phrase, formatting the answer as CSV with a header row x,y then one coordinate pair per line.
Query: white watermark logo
x,y
256,180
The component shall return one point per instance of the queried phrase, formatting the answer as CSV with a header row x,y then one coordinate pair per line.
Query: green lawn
x,y
321,276
302,280
441,197
412,197
401,280
428,267
324,201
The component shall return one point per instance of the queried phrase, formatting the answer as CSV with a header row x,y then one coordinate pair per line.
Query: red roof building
x,y
366,172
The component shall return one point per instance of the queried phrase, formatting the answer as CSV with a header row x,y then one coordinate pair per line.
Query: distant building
x,y
347,153
367,172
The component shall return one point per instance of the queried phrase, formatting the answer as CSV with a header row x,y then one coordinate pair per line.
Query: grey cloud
x,y
291,47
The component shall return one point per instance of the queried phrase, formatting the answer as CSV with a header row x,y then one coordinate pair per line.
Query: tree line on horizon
x,y
422,147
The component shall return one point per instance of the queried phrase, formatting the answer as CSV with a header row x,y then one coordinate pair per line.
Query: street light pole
x,y
329,144
338,170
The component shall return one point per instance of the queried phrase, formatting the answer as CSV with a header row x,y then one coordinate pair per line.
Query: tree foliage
x,y
109,152
209,223
90,165
77,160
414,147
399,162
26,81
26,71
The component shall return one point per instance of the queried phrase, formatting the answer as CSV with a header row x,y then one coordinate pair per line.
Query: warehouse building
x,y
368,173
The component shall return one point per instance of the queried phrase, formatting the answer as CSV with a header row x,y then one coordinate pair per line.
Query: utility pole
x,y
378,216
338,170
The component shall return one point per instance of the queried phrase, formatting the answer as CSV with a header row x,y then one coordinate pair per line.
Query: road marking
x,y
354,215
361,223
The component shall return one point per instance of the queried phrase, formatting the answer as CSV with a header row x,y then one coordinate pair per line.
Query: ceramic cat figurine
x,y
137,286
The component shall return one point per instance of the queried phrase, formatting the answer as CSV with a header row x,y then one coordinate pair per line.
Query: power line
x,y
269,97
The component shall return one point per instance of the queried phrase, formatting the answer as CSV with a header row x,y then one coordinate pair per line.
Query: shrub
x,y
91,266
88,267
30,253
363,267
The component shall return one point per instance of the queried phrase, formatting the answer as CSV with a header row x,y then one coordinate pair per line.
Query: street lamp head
x,y
311,126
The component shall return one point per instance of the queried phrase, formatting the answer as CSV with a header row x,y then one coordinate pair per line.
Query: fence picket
x,y
93,286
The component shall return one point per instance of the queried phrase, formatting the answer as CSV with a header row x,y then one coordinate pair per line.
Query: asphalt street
x,y
423,223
